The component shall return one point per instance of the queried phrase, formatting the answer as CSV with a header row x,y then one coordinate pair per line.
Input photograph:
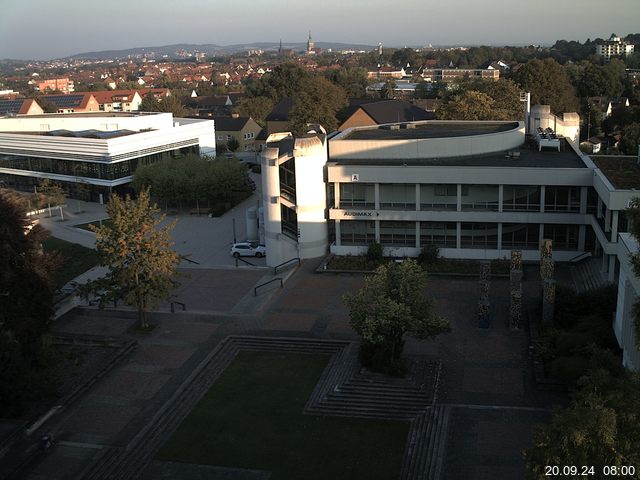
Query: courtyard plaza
x,y
485,380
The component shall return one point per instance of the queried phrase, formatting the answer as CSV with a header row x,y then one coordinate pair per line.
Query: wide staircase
x,y
586,275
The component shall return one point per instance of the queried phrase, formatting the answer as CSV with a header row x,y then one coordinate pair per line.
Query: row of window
x,y
474,197
472,234
105,171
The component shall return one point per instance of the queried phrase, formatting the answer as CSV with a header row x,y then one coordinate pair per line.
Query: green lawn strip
x,y
252,418
76,259
85,226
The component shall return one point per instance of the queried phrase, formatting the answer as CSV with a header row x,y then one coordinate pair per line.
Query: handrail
x,y
255,290
173,309
582,256
275,269
184,257
244,261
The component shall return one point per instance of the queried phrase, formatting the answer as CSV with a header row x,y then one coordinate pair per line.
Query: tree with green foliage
x,y
353,80
233,144
317,102
600,428
390,305
26,307
388,91
256,107
549,84
630,139
475,99
50,193
136,248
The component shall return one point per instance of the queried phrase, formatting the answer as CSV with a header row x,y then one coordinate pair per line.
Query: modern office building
x,y
476,190
99,150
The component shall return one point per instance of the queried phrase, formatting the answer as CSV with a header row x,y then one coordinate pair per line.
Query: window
x,y
440,234
357,195
229,137
430,200
219,137
398,196
288,180
518,198
289,222
446,190
479,235
357,232
564,237
562,199
398,234
480,197
524,236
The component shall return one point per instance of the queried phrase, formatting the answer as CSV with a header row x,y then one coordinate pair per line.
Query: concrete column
x,y
459,198
500,228
376,195
612,268
541,236
417,234
614,226
582,233
338,240
543,192
583,200
377,230
458,233
417,196
336,194
605,257
607,220
500,201
599,208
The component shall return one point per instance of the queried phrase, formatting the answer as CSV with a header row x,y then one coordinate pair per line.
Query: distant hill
x,y
176,51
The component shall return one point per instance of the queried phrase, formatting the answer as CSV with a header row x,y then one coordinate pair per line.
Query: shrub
x,y
375,253
429,255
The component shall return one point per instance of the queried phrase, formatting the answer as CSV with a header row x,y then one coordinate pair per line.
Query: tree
x,y
388,90
353,81
26,305
233,144
599,428
256,107
137,250
318,101
549,84
392,304
468,105
52,192
149,103
630,139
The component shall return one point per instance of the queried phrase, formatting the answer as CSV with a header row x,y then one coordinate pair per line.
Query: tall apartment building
x,y
614,47
64,85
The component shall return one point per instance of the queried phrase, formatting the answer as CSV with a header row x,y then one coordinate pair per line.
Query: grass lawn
x,y
252,418
85,226
76,259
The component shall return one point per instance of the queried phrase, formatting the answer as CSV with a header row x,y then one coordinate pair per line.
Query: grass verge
x,y
76,259
252,418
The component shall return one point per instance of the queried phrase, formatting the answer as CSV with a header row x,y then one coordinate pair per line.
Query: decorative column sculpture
x,y
547,268
484,306
515,277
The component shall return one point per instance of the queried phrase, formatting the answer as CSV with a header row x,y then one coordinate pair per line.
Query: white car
x,y
247,249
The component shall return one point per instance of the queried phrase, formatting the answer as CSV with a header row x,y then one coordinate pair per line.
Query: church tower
x,y
310,45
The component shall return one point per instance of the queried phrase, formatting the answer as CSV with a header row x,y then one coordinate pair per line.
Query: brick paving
x,y
485,372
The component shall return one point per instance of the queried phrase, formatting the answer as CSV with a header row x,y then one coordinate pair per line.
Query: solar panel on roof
x,y
10,106
65,101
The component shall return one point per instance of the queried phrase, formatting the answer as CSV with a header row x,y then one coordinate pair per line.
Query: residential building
x,y
387,73
383,111
96,149
278,118
63,85
451,74
118,100
614,47
244,129
20,106
74,102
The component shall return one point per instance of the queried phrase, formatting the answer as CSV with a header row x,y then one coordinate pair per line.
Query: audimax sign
x,y
360,214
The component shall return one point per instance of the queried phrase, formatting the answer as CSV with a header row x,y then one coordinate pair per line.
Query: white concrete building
x,y
614,47
97,149
628,294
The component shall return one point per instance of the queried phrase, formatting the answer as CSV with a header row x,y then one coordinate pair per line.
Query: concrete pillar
x,y
458,234
338,240
540,236
459,198
603,269
614,226
377,231
543,193
583,200
417,197
582,233
607,220
336,194
599,208
500,201
376,195
500,232
417,234
612,268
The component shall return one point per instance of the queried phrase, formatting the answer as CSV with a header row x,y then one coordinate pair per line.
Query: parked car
x,y
248,249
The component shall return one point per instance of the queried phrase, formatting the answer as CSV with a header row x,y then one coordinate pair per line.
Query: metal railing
x,y
255,290
243,261
275,269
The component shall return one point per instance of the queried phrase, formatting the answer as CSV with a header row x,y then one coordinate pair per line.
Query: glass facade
x,y
517,198
357,232
562,199
357,195
564,237
289,223
438,197
398,196
288,180
479,235
481,197
525,236
440,234
398,234
79,168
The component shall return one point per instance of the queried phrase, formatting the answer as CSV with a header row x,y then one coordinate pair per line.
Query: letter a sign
x,y
355,177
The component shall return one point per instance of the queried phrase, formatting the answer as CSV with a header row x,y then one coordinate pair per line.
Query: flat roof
x,y
529,156
430,130
622,171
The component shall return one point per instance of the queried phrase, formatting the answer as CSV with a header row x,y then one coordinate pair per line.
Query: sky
x,y
47,29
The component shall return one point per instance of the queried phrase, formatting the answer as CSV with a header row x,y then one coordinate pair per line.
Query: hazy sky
x,y
44,29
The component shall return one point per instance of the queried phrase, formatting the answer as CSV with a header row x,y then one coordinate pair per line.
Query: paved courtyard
x,y
486,378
